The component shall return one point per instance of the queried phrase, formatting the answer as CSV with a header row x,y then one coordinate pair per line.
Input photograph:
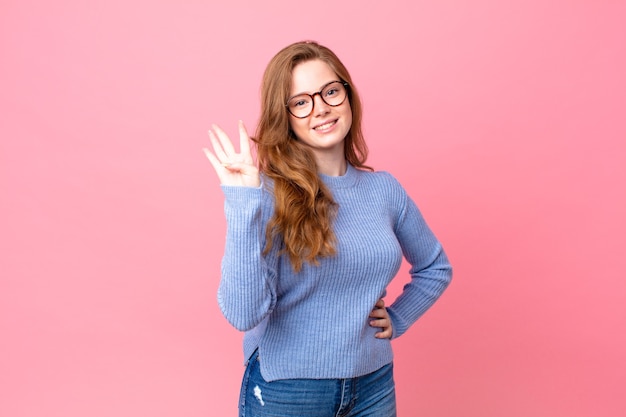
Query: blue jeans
x,y
369,395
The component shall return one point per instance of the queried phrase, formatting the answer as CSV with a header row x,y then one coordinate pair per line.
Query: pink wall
x,y
505,120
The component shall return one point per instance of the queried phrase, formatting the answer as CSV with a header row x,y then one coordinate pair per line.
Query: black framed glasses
x,y
334,94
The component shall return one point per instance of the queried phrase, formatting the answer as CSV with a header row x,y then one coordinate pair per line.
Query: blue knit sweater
x,y
314,324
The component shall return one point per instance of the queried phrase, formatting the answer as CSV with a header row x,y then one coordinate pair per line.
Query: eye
x,y
333,91
298,102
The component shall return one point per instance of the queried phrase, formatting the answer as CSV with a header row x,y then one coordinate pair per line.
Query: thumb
x,y
249,171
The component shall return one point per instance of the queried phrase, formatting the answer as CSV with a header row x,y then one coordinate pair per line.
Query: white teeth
x,y
324,126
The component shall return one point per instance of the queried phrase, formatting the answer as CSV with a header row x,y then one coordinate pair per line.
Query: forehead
x,y
310,76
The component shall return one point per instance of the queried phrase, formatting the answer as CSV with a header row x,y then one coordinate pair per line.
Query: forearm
x,y
425,287
246,291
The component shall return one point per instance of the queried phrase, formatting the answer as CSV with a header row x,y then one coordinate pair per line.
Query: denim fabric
x,y
368,395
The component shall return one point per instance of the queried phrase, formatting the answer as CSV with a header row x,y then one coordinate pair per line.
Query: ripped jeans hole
x,y
257,395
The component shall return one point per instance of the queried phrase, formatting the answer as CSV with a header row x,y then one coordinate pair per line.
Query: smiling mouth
x,y
325,125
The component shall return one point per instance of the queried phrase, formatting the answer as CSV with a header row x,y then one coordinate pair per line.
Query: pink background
x,y
505,120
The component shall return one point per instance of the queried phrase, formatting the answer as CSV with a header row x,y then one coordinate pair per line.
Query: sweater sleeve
x,y
246,293
430,270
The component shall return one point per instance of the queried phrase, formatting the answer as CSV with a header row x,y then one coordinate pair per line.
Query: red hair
x,y
304,207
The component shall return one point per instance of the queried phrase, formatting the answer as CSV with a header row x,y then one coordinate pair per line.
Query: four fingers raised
x,y
232,167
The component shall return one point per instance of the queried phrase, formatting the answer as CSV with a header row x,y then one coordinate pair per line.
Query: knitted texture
x,y
314,323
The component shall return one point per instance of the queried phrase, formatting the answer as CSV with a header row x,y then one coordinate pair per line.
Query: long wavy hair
x,y
304,207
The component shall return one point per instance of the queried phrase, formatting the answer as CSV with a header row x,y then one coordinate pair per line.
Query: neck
x,y
331,162
332,168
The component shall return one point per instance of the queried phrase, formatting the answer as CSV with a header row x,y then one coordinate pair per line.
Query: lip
x,y
333,121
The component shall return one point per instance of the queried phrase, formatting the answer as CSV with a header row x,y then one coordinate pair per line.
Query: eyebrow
x,y
319,90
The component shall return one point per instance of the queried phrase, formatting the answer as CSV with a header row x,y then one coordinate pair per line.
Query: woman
x,y
314,237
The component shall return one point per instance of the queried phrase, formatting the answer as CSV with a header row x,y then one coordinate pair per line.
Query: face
x,y
325,129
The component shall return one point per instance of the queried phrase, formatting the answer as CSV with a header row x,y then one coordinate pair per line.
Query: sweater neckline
x,y
342,181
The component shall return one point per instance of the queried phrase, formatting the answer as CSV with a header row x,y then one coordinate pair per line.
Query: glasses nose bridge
x,y
324,103
319,93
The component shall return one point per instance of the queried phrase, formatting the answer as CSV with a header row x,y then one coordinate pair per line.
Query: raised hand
x,y
232,168
380,318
